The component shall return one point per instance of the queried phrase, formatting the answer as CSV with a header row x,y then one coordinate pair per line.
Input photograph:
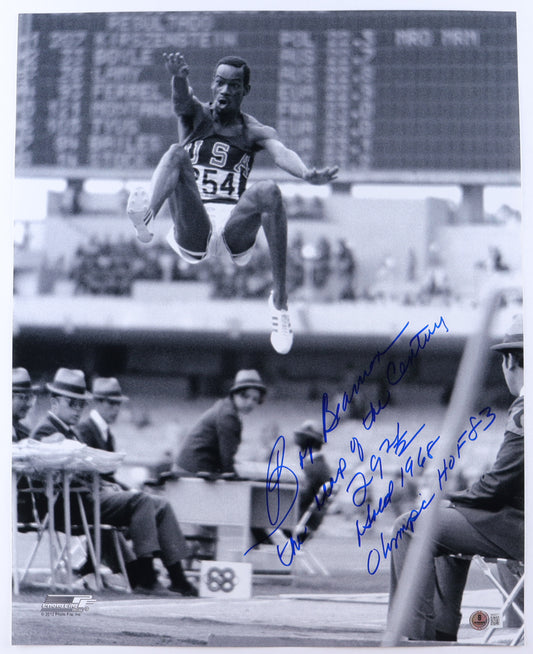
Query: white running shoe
x,y
281,335
140,214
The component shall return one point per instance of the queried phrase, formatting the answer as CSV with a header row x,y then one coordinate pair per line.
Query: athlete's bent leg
x,y
262,205
173,180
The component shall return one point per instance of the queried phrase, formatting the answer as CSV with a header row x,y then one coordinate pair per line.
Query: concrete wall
x,y
387,229
465,252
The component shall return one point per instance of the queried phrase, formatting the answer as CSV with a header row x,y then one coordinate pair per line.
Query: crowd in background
x,y
324,270
105,267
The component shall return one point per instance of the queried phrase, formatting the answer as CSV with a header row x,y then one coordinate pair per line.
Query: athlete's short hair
x,y
236,62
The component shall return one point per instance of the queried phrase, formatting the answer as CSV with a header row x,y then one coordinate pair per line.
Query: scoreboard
x,y
420,91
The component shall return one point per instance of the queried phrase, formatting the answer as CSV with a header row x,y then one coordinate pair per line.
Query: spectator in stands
x,y
498,263
322,264
345,269
485,519
295,263
316,209
259,280
152,524
212,443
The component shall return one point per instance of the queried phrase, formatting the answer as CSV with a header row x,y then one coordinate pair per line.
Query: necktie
x,y
110,445
72,433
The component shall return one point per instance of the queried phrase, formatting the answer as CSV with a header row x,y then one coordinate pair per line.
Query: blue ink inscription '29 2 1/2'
x,y
393,372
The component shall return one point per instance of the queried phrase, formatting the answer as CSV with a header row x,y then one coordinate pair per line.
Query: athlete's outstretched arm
x,y
181,91
290,161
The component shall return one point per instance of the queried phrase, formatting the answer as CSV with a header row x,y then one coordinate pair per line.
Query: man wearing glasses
x,y
69,396
152,524
23,398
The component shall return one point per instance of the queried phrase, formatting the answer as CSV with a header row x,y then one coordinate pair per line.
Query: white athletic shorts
x,y
219,214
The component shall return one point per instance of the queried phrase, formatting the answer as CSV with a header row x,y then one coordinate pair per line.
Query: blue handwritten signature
x,y
275,470
359,483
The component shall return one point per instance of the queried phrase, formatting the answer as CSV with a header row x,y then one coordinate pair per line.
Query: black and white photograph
x,y
267,297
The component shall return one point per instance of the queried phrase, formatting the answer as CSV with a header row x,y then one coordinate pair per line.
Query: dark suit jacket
x,y
50,425
494,504
24,499
20,431
89,434
212,443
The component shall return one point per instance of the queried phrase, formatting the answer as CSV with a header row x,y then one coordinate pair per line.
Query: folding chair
x,y
509,597
304,527
86,528
36,518
60,548
486,565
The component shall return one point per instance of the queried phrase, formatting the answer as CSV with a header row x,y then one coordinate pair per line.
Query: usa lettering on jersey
x,y
220,168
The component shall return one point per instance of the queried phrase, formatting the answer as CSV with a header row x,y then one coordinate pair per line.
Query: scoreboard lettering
x,y
368,90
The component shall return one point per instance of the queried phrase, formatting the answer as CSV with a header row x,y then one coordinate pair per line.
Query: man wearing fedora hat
x,y
23,396
68,397
152,524
212,443
94,430
107,400
485,519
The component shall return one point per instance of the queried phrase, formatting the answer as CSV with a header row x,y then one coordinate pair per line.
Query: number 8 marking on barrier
x,y
221,579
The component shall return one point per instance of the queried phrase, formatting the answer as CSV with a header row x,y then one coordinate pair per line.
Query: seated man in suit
x,y
485,519
152,524
23,397
94,430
